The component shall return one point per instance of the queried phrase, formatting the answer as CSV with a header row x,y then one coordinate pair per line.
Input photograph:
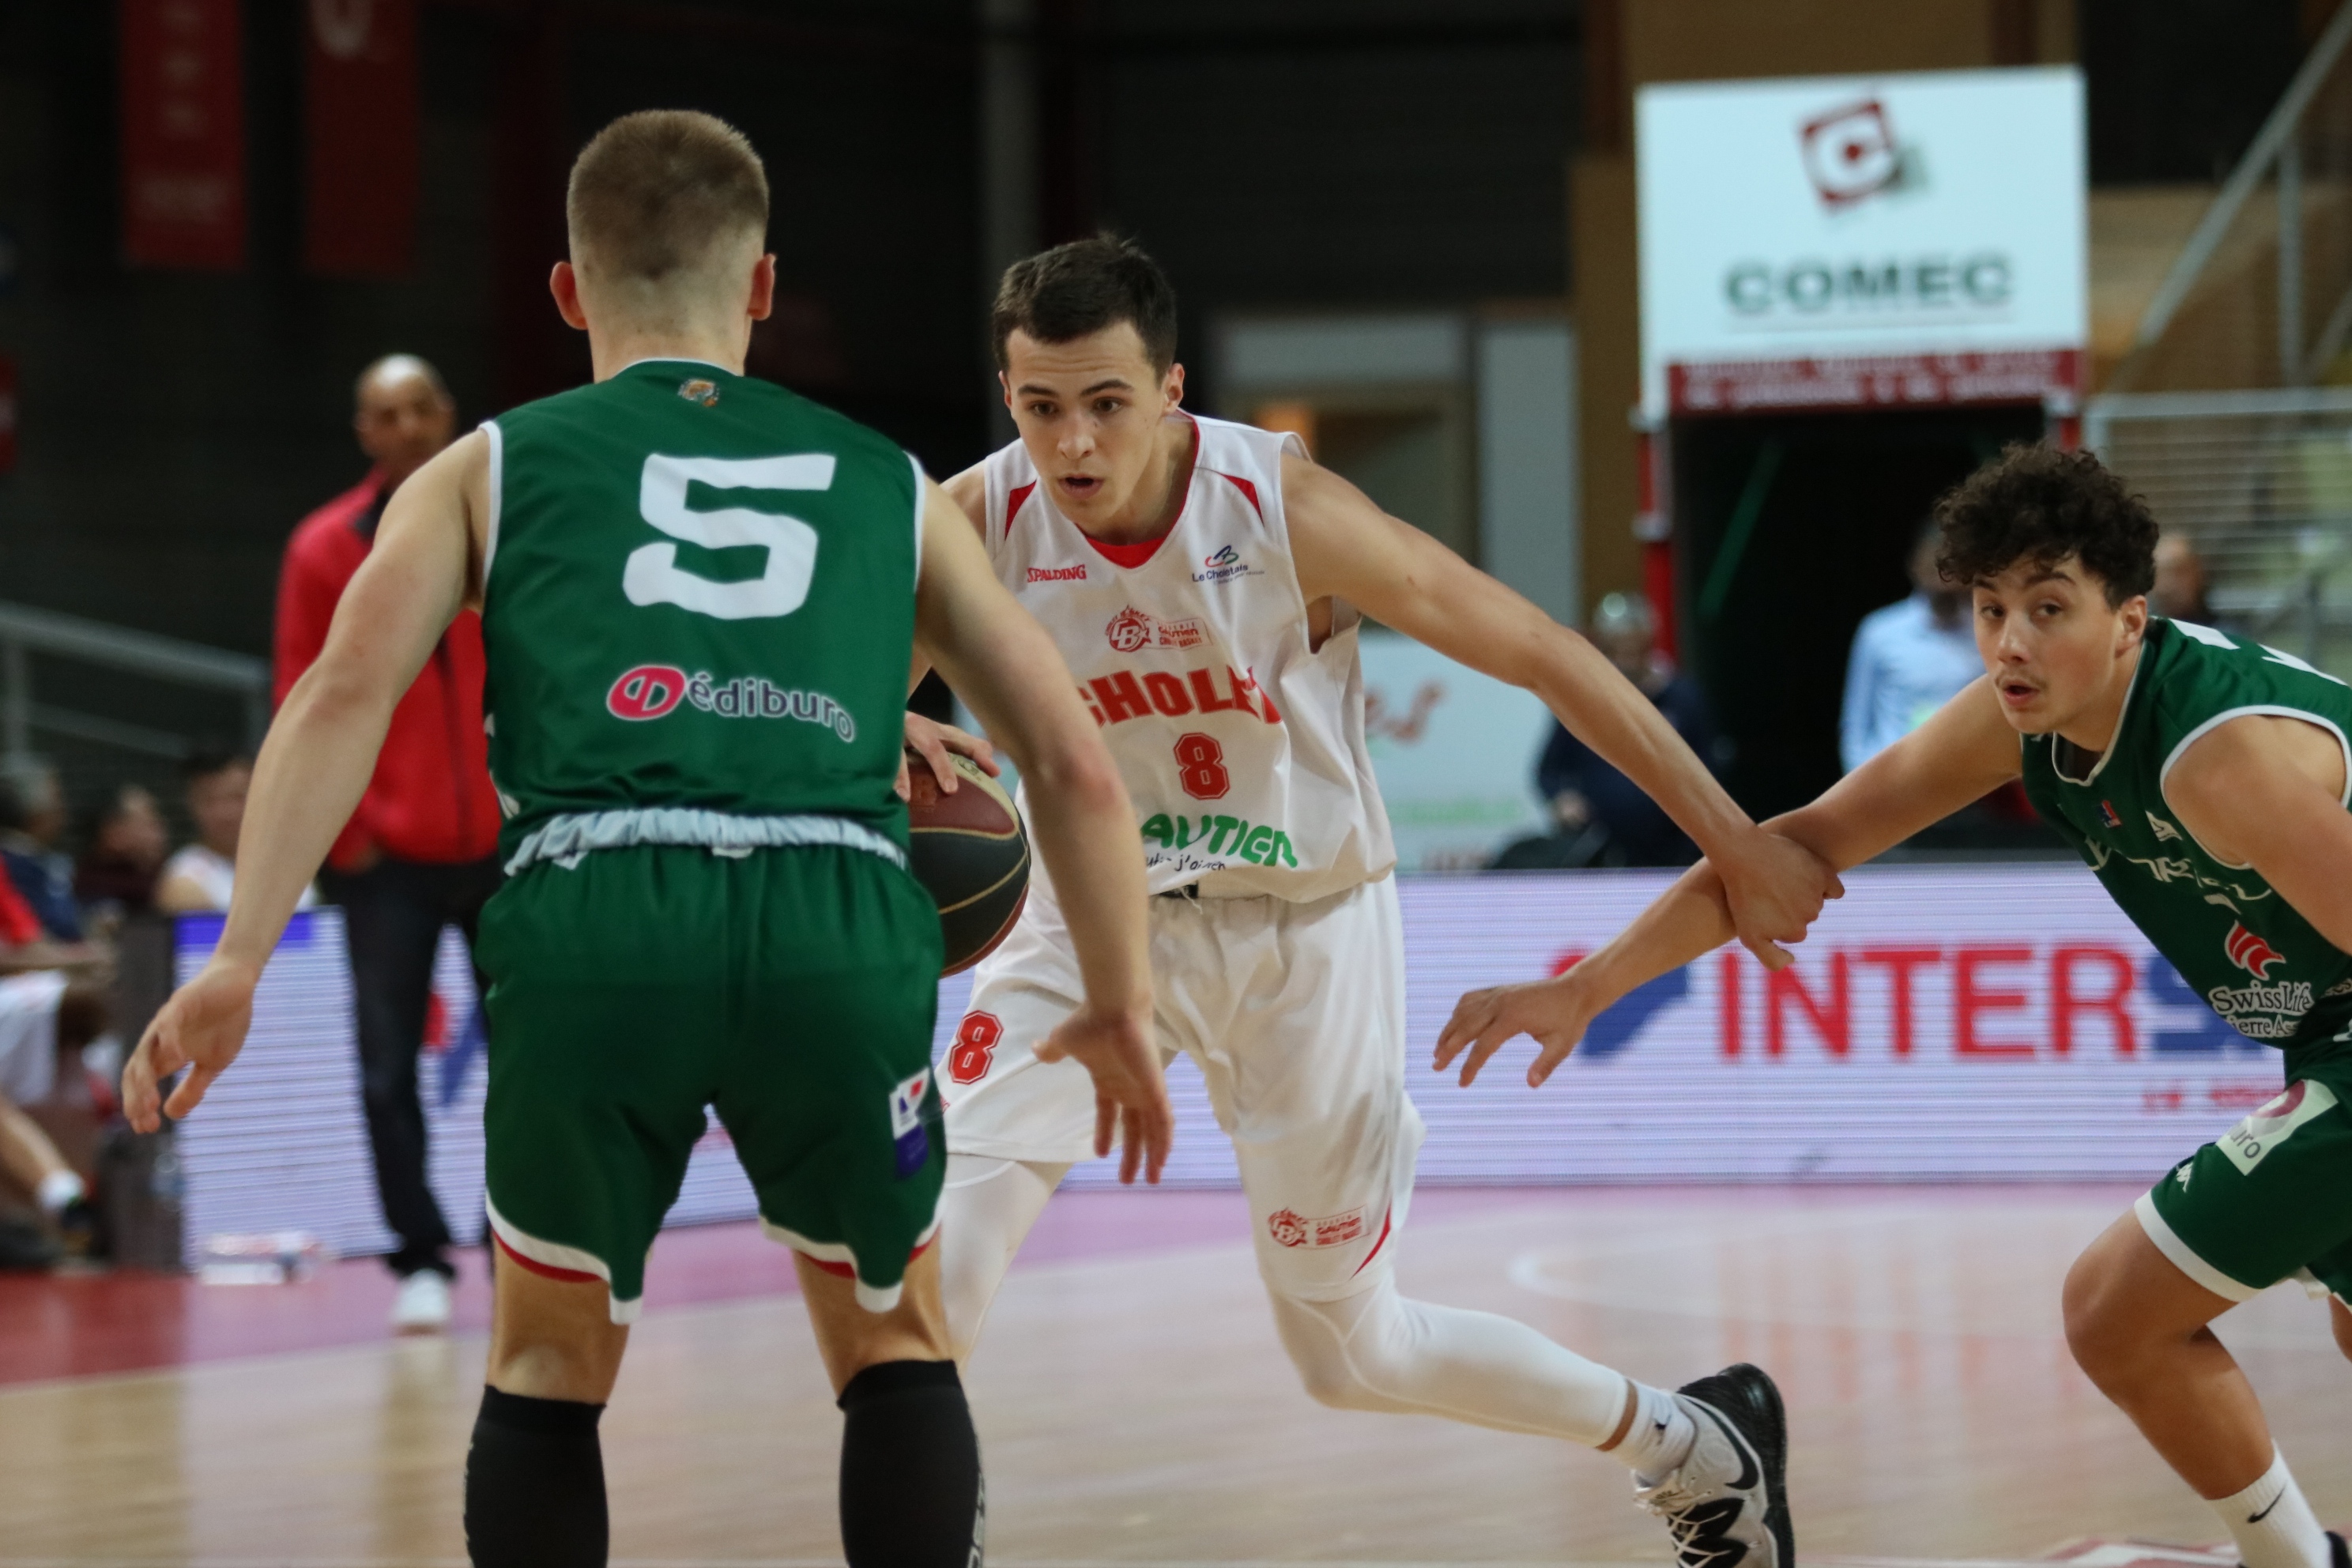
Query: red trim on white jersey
x,y
1012,503
1247,489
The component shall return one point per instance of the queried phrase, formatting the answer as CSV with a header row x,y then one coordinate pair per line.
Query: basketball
x,y
970,850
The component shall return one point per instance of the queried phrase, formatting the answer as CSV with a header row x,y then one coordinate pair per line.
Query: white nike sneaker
x,y
1727,1504
422,1306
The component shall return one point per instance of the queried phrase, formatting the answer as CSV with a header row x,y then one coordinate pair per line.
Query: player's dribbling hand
x,y
1775,887
1556,1012
202,1028
934,742
1130,1091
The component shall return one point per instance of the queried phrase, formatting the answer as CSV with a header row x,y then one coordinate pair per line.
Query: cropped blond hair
x,y
658,195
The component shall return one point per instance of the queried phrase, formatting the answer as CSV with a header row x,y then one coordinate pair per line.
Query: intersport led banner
x,y
1946,1023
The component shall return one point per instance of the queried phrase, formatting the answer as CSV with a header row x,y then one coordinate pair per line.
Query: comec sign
x,y
1848,241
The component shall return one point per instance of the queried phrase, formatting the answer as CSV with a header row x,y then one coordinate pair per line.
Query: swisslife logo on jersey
x,y
651,691
2251,952
2268,1009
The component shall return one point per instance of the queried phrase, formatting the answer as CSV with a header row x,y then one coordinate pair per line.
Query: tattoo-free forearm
x,y
1687,922
1084,830
312,770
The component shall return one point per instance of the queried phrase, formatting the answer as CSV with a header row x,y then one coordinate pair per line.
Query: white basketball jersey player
x,y
1243,748
1277,951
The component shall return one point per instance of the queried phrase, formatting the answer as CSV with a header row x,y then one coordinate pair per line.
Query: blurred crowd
x,y
83,904
73,893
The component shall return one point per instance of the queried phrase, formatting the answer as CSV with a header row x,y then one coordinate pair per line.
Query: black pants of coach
x,y
393,916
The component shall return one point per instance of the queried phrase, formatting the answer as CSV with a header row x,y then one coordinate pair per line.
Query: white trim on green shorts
x,y
872,1297
2184,1256
555,1255
567,838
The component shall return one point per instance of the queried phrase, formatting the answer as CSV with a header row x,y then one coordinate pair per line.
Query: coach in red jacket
x,y
419,853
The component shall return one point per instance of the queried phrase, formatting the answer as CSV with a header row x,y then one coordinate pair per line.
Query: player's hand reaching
x,y
1774,889
1130,1091
1557,1012
202,1028
935,743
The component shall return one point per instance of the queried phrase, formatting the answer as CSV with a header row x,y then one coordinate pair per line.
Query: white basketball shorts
x,y
1293,1013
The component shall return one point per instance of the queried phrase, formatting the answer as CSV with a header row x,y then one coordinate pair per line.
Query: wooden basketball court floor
x,y
1135,1408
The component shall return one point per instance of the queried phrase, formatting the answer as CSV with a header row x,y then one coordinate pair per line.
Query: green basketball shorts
x,y
792,990
2270,1198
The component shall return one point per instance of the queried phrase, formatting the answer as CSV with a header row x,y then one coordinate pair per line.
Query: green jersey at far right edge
x,y
2274,1196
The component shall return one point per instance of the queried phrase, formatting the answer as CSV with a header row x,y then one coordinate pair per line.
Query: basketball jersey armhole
x,y
916,464
2252,709
497,487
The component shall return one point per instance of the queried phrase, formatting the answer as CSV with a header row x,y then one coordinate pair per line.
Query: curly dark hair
x,y
2040,505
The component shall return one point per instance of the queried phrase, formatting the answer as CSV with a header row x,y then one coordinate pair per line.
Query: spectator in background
x,y
127,844
1909,659
52,1003
200,876
45,1019
419,853
1601,817
31,821
2181,584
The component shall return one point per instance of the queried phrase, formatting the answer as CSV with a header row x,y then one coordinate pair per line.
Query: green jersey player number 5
x,y
653,575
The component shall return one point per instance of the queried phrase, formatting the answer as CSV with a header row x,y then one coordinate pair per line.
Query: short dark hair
x,y
2039,505
1079,288
655,191
206,761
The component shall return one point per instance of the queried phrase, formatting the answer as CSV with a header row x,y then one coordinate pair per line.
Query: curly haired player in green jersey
x,y
2206,780
700,596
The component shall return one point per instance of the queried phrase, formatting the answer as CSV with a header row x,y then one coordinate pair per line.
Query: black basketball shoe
x,y
2338,1554
1727,1504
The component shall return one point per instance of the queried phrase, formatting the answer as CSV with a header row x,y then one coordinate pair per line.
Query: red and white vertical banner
x,y
183,133
7,414
361,119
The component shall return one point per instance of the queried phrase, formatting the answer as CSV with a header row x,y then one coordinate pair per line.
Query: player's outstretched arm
x,y
2268,791
1002,663
1966,751
316,764
1347,547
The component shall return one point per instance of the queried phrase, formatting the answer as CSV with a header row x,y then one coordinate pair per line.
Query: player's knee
x,y
2097,1333
2115,1341
2339,1317
1341,1356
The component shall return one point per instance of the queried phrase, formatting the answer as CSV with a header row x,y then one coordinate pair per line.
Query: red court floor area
x,y
72,1325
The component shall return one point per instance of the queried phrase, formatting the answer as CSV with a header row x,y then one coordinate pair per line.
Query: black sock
x,y
910,1488
535,1484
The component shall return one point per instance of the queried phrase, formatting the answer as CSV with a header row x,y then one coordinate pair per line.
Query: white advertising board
x,y
1914,237
1946,1024
1454,753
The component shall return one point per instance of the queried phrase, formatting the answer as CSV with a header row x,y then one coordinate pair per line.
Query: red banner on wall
x,y
361,116
183,134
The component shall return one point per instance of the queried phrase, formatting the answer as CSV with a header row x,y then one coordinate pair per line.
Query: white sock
x,y
58,1189
1377,1351
985,1213
2271,1523
1660,1437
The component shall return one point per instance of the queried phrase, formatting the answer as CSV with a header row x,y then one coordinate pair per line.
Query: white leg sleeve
x,y
986,1210
1377,1351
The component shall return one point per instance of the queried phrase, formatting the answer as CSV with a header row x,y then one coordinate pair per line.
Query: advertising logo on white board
x,y
1839,221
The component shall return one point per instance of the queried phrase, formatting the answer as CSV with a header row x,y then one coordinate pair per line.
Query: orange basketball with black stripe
x,y
970,850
